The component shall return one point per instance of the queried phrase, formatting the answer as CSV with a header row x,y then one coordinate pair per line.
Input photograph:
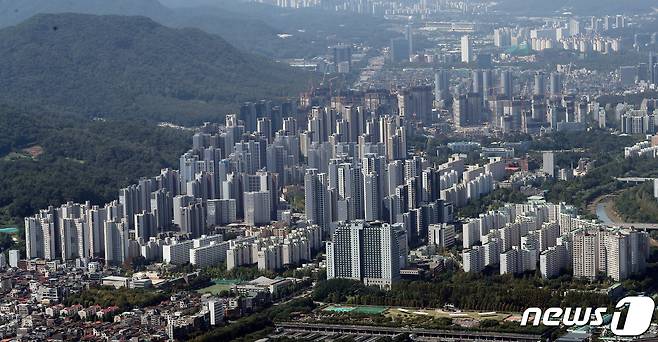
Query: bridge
x,y
634,179
285,328
638,226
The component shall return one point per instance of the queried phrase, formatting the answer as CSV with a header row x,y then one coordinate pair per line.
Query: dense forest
x,y
637,204
607,153
13,12
599,181
491,201
47,159
123,298
109,66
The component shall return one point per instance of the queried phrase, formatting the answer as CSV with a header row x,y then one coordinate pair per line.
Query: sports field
x,y
397,312
367,310
218,286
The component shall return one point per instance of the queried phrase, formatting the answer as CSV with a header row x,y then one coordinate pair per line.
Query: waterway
x,y
602,214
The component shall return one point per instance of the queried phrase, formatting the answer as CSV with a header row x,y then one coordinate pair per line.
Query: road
x,y
285,328
634,179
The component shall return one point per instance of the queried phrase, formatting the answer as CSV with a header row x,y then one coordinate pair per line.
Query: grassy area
x,y
366,310
402,313
218,286
478,316
606,151
420,318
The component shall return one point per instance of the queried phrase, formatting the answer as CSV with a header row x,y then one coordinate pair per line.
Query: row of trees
x,y
466,291
239,273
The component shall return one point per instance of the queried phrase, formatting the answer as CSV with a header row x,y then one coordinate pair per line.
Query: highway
x,y
420,334
639,226
633,179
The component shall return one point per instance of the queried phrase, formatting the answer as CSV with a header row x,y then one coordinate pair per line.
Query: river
x,y
602,214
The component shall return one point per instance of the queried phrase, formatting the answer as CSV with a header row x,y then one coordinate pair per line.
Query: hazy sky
x,y
189,3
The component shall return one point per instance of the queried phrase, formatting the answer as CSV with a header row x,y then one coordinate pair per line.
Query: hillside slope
x,y
103,65
49,158
242,31
13,12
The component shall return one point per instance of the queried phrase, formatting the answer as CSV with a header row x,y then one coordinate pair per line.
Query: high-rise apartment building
x,y
116,242
442,235
548,165
617,254
555,84
216,309
368,252
399,50
540,85
257,208
317,199
506,89
441,84
466,49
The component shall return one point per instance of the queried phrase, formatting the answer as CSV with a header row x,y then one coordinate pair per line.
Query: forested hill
x,y
119,66
240,29
49,158
13,12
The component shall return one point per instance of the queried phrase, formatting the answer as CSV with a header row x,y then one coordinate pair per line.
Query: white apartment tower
x,y
442,235
466,49
585,255
368,252
257,207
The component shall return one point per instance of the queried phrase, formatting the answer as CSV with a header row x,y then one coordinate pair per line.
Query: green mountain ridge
x,y
242,31
13,12
118,65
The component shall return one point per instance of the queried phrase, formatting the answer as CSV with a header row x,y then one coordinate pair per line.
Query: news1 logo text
x,y
639,312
